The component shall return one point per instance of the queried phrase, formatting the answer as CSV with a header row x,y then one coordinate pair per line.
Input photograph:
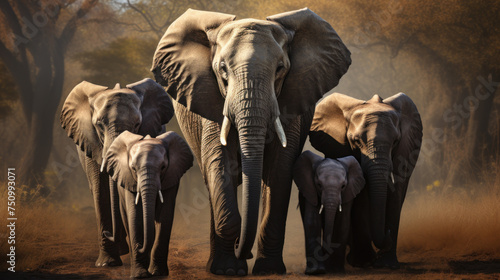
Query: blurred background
x,y
445,55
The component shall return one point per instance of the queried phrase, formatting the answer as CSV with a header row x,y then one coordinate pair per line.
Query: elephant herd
x,y
244,93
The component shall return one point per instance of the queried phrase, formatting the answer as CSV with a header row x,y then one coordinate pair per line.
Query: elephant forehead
x,y
244,27
147,147
378,110
116,97
330,166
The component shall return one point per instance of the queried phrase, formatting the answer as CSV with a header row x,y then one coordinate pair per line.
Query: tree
x,y
33,40
154,17
124,60
8,94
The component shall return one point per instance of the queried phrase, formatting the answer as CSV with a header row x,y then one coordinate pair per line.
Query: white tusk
x,y
340,207
161,196
392,177
340,203
280,131
137,197
226,126
102,165
321,209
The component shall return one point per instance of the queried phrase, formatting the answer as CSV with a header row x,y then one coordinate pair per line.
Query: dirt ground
x,y
441,237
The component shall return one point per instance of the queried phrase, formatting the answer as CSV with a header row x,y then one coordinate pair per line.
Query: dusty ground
x,y
442,237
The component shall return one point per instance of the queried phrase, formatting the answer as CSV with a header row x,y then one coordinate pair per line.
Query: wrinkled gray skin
x,y
93,116
142,167
236,82
385,137
327,188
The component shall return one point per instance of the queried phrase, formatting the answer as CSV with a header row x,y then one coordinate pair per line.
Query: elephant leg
x,y
361,252
139,263
276,197
277,177
311,220
221,172
164,219
336,250
109,254
225,228
393,214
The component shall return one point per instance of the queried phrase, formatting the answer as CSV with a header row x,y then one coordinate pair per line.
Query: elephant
x,y
93,116
385,136
147,170
329,184
230,80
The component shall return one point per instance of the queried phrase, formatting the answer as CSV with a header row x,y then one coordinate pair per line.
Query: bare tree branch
x,y
70,28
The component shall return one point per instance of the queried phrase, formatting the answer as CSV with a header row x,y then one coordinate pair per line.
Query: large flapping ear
x,y
304,172
116,161
182,62
179,157
76,119
328,133
405,154
156,106
355,179
318,59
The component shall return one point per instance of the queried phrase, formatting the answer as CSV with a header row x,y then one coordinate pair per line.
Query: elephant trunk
x,y
112,236
252,116
330,210
378,168
148,186
115,213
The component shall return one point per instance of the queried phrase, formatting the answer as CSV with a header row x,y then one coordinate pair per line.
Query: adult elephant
x,y
93,116
225,73
385,137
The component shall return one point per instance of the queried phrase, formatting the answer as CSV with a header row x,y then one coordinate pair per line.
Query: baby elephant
x,y
327,188
147,171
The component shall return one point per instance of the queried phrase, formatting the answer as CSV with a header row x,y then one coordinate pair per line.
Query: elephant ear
x,y
179,158
76,119
156,106
328,132
318,59
182,62
116,161
304,172
405,154
355,178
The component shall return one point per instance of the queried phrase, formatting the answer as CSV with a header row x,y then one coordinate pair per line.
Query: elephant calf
x,y
327,188
147,172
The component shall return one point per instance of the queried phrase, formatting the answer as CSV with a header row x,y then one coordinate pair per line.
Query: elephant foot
x,y
106,259
227,264
139,273
158,269
315,270
336,269
387,260
264,266
361,259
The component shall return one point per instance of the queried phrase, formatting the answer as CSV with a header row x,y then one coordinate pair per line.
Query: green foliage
x,y
8,92
125,60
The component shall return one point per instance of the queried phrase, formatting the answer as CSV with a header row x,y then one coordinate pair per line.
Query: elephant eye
x,y
223,70
280,67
